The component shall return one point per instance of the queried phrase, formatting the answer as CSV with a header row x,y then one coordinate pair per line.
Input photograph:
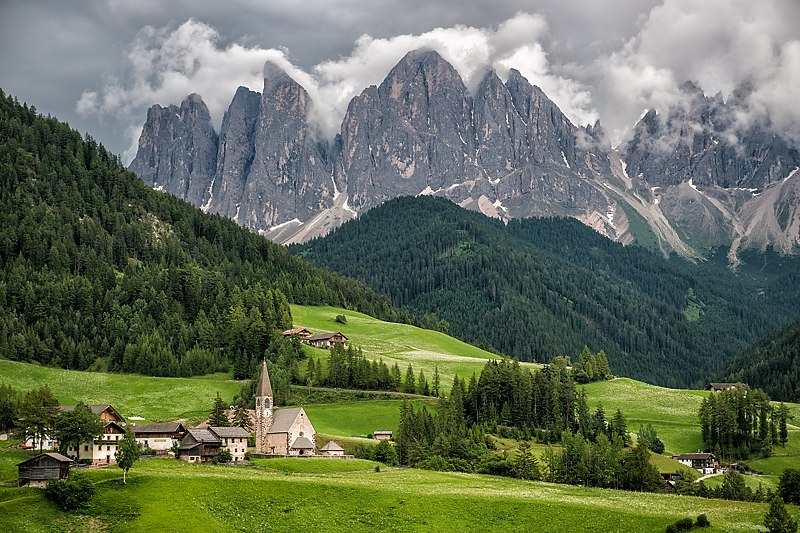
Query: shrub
x,y
223,456
341,319
74,493
702,521
684,524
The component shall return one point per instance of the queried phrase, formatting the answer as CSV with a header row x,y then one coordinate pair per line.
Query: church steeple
x,y
263,409
264,385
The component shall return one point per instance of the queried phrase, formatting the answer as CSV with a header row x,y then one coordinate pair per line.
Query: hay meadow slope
x,y
164,494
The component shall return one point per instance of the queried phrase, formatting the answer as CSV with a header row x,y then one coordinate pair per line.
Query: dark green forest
x,y
538,288
99,271
772,364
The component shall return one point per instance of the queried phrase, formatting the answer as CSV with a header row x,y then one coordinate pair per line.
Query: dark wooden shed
x,y
37,470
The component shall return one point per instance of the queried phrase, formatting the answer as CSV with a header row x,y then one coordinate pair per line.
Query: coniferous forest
x,y
98,270
537,288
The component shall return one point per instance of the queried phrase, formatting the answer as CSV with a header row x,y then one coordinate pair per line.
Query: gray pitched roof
x,y
264,385
53,455
325,336
164,427
302,443
695,456
230,432
96,409
332,447
203,435
283,419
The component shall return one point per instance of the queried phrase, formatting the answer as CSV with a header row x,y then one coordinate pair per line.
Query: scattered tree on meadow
x,y
9,405
38,412
128,452
525,464
789,486
777,519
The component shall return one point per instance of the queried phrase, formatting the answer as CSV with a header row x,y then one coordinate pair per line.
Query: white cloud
x,y
717,43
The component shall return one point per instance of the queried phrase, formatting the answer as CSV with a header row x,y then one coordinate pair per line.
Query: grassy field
x,y
672,412
401,343
154,399
165,494
359,418
767,482
316,465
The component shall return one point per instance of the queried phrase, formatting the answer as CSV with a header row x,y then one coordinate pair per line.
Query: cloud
x,y
718,43
165,64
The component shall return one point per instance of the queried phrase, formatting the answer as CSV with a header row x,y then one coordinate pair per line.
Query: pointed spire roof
x,y
264,385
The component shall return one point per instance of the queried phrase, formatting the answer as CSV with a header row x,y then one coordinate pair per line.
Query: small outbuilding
x,y
718,387
332,449
383,434
36,471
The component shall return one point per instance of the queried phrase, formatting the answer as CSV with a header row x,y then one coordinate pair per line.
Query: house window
x,y
86,447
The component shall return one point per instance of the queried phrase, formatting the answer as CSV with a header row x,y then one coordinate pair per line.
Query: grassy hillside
x,y
154,399
672,412
400,343
215,498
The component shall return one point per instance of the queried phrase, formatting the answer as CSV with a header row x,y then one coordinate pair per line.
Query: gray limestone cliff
x,y
693,174
177,150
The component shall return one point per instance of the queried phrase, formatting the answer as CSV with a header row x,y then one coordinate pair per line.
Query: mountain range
x,y
691,178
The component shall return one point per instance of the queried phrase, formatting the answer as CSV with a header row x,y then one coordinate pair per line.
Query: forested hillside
x,y
772,364
93,263
543,287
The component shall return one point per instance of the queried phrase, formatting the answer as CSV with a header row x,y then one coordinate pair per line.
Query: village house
x,y
327,340
282,432
302,333
383,434
199,445
106,412
718,387
233,439
36,471
332,449
103,449
159,437
704,462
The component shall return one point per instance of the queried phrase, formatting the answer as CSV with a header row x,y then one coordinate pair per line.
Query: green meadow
x,y
401,343
153,399
359,418
164,494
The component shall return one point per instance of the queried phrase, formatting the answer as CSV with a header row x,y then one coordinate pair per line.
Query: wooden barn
x,y
36,471
327,340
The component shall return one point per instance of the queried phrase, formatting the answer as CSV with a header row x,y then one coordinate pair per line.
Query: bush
x,y
149,451
341,319
74,493
684,524
223,456
702,521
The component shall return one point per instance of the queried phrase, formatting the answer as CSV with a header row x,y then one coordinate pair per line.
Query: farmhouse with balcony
x,y
704,462
159,437
327,340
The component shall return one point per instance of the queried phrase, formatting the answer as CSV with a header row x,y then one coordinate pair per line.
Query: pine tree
x,y
218,416
777,519
436,381
525,465
241,418
409,385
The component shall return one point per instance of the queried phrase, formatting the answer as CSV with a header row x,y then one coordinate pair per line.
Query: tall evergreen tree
x,y
218,417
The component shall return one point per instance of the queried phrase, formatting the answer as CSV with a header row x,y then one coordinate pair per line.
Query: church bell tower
x,y
264,408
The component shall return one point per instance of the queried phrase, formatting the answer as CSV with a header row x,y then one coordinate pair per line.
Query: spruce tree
x,y
218,417
777,519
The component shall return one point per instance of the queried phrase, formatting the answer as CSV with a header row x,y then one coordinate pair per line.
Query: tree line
x,y
741,422
536,288
97,270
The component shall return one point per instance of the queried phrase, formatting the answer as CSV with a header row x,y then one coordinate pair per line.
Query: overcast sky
x,y
99,64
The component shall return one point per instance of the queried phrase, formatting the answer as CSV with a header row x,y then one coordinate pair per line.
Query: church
x,y
281,432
